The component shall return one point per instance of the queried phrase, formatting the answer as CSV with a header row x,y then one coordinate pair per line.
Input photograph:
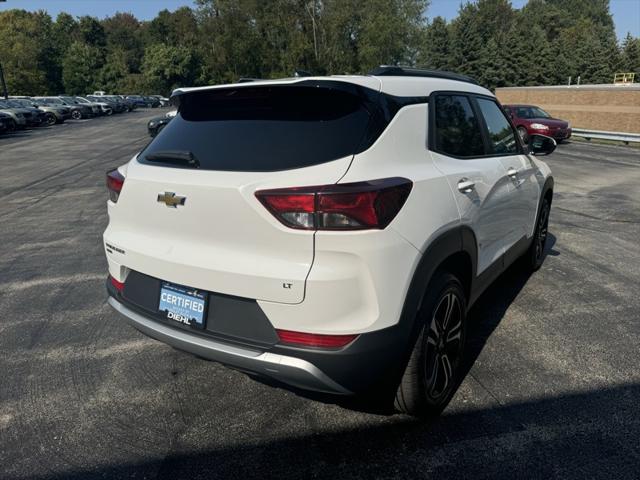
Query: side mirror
x,y
541,144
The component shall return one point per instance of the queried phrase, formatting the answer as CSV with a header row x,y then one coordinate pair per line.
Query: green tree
x,y
80,67
91,32
166,67
630,61
114,72
466,41
122,33
22,51
435,51
590,58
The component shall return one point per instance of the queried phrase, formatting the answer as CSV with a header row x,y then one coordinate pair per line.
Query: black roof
x,y
389,71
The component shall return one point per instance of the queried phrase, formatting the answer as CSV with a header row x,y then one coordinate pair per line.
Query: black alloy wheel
x,y
540,237
434,368
443,350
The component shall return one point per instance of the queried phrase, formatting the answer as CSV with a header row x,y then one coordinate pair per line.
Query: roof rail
x,y
390,70
247,79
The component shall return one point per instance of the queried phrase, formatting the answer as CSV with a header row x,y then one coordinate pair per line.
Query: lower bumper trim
x,y
286,369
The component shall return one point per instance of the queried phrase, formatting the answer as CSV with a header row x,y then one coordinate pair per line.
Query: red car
x,y
529,119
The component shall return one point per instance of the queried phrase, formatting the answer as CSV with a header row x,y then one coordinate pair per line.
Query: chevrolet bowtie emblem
x,y
170,199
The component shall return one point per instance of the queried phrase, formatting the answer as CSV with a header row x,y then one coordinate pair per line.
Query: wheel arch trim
x,y
458,240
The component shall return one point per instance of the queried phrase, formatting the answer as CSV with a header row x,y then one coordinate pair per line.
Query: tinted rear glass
x,y
265,128
457,128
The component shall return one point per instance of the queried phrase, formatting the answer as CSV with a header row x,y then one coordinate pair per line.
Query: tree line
x,y
543,43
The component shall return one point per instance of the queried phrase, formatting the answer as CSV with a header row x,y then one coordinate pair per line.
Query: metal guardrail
x,y
616,136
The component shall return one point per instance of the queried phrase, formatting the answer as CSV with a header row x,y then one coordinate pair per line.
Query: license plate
x,y
183,304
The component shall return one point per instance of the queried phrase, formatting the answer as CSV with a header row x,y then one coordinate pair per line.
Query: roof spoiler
x,y
398,71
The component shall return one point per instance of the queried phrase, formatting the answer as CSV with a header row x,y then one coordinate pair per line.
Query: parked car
x,y
155,125
164,101
139,100
18,116
53,113
94,108
116,105
530,120
323,233
34,116
105,108
5,123
131,105
76,112
122,105
152,102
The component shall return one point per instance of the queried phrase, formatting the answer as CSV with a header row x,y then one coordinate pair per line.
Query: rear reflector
x,y
314,340
118,285
115,182
347,206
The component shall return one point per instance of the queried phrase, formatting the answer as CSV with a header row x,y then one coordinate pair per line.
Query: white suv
x,y
329,233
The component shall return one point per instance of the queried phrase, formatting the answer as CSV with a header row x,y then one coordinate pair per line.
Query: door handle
x,y
512,172
465,185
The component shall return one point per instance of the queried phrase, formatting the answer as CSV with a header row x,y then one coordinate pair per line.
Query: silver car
x,y
18,115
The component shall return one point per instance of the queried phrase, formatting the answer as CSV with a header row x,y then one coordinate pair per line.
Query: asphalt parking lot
x,y
552,390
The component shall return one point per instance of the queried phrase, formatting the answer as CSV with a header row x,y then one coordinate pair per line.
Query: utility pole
x,y
4,85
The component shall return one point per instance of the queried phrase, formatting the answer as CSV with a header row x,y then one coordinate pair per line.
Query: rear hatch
x,y
223,146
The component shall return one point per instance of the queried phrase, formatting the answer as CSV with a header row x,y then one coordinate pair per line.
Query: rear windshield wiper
x,y
177,157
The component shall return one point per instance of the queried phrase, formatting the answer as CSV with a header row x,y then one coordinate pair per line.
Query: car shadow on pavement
x,y
489,310
583,435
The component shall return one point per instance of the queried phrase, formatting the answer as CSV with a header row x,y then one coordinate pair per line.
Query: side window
x,y
501,135
457,130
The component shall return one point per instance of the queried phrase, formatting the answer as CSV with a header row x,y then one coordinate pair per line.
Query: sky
x,y
626,13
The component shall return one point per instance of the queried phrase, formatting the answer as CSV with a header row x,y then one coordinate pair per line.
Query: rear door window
x,y
265,128
457,129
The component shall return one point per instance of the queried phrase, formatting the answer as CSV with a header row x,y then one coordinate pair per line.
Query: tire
x,y
11,125
76,114
524,136
533,258
433,371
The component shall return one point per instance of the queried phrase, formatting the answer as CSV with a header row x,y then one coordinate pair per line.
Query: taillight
x,y
300,339
348,206
115,181
118,285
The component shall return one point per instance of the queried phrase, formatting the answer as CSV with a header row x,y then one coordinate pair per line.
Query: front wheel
x,y
433,372
76,114
534,256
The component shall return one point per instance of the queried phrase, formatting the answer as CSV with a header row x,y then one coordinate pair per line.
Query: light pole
x,y
4,85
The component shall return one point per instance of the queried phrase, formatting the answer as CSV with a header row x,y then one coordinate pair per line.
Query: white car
x,y
329,233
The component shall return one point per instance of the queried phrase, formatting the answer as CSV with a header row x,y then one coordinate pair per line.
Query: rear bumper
x,y
290,370
239,334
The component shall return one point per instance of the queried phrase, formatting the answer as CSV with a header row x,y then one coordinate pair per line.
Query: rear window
x,y
266,128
